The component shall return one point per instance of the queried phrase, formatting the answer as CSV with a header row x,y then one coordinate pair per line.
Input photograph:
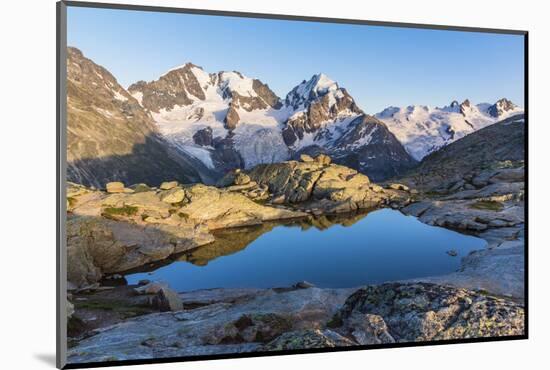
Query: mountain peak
x,y
501,107
319,85
184,67
316,87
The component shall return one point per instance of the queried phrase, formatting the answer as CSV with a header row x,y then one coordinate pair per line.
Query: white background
x,y
27,196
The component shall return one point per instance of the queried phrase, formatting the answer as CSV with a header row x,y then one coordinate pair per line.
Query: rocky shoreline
x,y
221,321
491,206
122,228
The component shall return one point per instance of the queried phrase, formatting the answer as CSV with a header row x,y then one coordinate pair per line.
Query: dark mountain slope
x,y
500,145
109,135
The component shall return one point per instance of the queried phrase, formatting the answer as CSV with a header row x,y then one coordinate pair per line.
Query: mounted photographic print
x,y
236,184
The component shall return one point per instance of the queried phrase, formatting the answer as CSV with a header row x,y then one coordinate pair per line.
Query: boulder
x,y
398,187
369,329
174,195
115,187
424,312
167,185
306,158
167,300
323,159
241,178
149,288
219,209
140,188
97,246
329,188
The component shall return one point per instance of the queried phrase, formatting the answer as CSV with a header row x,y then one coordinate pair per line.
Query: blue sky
x,y
379,66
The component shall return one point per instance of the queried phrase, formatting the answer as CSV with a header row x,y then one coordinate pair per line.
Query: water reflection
x,y
329,251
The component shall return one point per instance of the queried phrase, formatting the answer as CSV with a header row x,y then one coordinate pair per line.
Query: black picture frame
x,y
61,165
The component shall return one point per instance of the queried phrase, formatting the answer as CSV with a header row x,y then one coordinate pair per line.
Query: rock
x,y
97,246
323,159
331,188
509,175
232,118
241,178
246,314
234,177
501,192
114,187
452,253
306,158
228,179
422,311
303,285
307,339
376,188
89,245
398,187
369,329
149,288
174,195
203,137
457,186
482,179
218,209
257,327
241,188
497,270
167,185
144,282
167,300
280,199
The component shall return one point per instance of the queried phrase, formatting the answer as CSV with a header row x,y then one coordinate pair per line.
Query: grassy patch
x,y
488,205
114,212
119,307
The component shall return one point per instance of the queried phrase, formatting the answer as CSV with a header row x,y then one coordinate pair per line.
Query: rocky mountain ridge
x,y
111,137
228,120
423,129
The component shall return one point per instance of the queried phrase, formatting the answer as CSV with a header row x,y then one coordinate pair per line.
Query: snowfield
x,y
423,129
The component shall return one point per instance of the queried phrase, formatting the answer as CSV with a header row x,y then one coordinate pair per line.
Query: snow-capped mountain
x,y
321,110
326,119
213,116
228,120
423,129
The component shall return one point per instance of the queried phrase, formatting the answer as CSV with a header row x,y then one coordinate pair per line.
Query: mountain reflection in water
x,y
329,251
